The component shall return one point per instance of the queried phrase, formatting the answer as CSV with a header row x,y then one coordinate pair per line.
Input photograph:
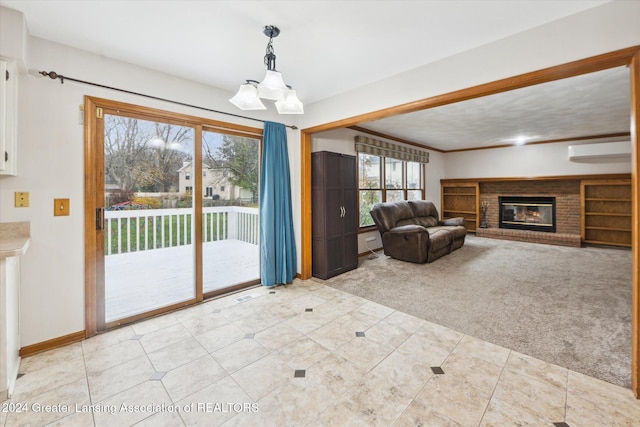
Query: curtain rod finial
x,y
52,74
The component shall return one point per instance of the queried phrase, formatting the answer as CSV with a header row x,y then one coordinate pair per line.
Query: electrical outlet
x,y
60,207
22,199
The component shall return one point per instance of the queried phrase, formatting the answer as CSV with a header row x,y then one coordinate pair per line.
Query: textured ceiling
x,y
590,104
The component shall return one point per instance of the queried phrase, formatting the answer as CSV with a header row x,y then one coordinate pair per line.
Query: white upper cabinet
x,y
8,117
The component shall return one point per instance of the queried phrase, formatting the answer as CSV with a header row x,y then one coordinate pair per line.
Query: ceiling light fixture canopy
x,y
272,87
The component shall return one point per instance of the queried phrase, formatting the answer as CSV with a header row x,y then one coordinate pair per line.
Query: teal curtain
x,y
277,242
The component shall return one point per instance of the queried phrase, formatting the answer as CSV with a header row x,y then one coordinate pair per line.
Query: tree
x,y
160,171
141,155
123,145
241,157
370,194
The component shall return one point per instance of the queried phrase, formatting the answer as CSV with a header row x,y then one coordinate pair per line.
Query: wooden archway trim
x,y
623,57
635,224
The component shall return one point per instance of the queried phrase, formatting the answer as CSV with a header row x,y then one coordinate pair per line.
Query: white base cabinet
x,y
9,324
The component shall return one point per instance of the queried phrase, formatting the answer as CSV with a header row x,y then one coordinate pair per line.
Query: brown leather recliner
x,y
411,230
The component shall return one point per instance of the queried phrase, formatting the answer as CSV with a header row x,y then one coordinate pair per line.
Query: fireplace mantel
x,y
447,181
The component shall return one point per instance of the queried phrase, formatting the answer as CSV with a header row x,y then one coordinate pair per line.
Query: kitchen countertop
x,y
14,239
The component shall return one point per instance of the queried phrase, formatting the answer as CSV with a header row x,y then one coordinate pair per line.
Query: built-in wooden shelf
x,y
461,200
608,228
589,199
461,212
606,212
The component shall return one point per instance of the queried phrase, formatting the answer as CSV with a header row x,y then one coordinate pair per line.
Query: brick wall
x,y
567,194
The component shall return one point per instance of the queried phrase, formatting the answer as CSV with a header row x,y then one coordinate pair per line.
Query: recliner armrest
x,y
407,242
452,221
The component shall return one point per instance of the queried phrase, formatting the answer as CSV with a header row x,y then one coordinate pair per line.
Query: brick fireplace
x,y
567,210
527,213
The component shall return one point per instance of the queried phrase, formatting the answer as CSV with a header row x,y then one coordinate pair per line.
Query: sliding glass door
x,y
148,227
171,211
230,229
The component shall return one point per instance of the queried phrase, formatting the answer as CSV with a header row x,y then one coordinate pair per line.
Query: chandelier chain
x,y
270,56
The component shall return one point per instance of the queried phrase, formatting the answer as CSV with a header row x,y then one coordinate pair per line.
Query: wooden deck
x,y
137,282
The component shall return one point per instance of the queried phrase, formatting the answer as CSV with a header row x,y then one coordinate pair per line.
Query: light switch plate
x,y
60,207
22,199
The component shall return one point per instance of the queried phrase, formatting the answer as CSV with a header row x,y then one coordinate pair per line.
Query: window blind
x,y
377,147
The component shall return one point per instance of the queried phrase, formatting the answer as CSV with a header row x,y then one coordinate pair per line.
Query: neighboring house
x,y
215,183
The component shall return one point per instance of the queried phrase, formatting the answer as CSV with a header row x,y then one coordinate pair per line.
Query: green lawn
x,y
177,232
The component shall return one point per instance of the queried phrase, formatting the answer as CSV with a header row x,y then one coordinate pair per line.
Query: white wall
x,y
525,161
51,139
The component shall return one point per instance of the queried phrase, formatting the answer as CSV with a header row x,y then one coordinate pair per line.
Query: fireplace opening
x,y
528,213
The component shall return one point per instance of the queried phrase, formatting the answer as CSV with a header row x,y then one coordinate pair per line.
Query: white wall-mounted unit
x,y
601,152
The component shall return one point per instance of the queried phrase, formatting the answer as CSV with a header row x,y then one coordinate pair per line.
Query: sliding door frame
x,y
625,57
94,181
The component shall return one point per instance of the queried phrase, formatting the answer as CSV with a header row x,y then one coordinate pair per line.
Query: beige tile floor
x,y
292,358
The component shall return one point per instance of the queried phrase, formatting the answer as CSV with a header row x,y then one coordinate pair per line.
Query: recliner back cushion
x,y
388,215
427,221
424,208
425,212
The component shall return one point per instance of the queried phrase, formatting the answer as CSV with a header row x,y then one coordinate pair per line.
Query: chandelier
x,y
272,87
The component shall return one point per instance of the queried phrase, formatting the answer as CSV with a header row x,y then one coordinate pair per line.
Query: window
x,y
189,190
369,185
187,175
398,180
208,192
414,181
222,188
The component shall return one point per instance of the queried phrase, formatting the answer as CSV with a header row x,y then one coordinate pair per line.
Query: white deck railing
x,y
147,229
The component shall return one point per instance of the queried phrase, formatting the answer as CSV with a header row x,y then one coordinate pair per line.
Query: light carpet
x,y
567,306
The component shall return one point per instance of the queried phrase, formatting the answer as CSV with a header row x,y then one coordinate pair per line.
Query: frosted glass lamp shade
x,y
272,86
247,98
175,145
291,104
155,142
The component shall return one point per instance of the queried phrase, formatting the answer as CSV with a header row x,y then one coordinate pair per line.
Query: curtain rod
x,y
53,76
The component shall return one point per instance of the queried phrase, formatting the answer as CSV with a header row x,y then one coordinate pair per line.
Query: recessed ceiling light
x,y
520,140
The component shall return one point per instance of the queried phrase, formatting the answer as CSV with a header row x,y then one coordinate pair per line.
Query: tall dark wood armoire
x,y
335,213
